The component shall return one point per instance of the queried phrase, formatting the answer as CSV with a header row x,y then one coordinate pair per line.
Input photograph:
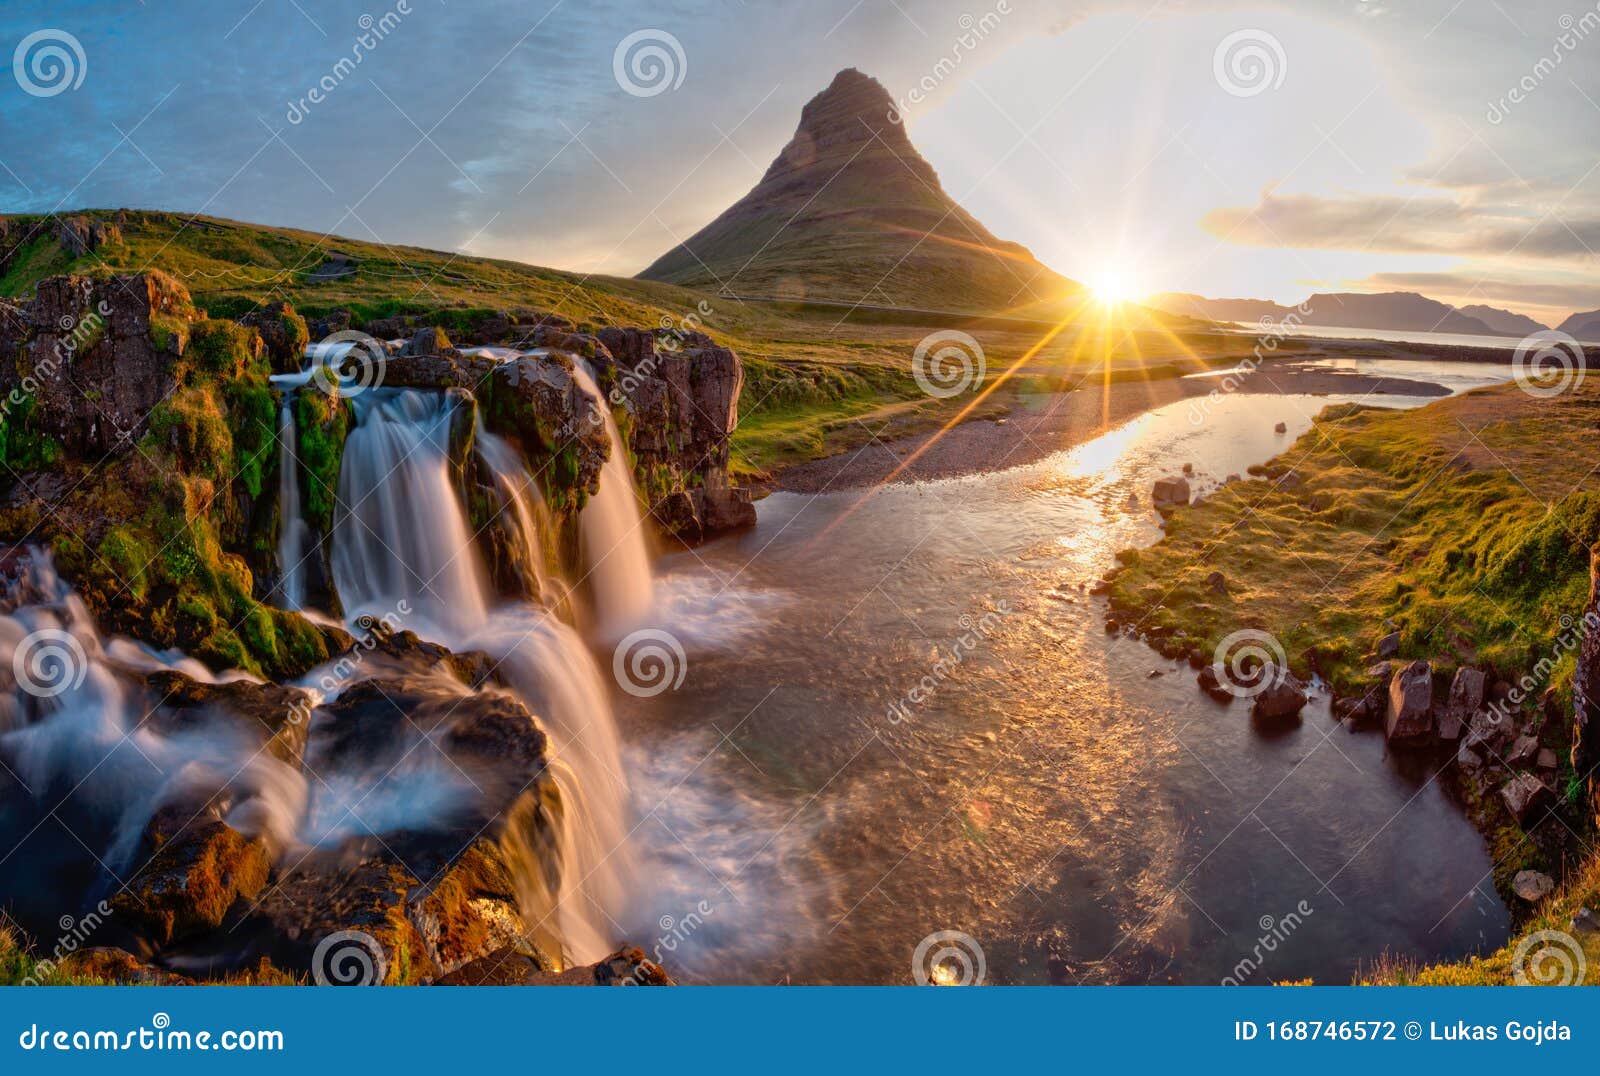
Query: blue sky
x,y
1368,156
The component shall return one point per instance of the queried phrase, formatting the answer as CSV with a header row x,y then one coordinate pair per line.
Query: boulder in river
x,y
1282,698
1409,719
1170,491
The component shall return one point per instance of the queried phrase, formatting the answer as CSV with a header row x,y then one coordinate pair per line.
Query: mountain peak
x,y
850,211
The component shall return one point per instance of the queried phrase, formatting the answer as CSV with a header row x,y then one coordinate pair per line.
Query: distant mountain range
x,y
850,211
1396,310
1585,327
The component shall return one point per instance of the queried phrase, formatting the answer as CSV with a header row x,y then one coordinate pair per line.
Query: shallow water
x,y
809,813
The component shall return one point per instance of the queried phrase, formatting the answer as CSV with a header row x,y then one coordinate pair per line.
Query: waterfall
x,y
510,473
616,556
294,533
402,535
76,731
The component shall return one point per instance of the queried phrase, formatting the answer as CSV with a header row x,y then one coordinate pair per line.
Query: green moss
x,y
22,446
224,347
169,333
252,422
321,426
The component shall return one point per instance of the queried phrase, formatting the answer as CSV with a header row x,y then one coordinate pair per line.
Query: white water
x,y
405,539
511,475
294,534
79,735
616,556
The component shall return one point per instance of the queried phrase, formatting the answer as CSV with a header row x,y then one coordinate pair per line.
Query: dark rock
x,y
1217,583
430,341
1213,680
1547,760
336,321
1526,797
1290,480
1282,427
1170,491
1523,752
1489,730
1389,645
511,966
1283,697
119,967
284,332
1467,758
275,715
196,867
1409,719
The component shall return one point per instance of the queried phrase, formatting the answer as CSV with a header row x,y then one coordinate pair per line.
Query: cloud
x,y
1415,225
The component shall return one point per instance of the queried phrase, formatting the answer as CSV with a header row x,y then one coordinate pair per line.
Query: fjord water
x,y
834,792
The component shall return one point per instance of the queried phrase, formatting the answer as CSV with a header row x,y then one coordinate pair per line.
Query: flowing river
x,y
900,714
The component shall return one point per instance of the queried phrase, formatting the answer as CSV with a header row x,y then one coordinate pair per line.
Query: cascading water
x,y
294,533
78,735
511,475
402,537
616,556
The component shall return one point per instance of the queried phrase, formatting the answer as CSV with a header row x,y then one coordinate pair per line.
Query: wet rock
x,y
1213,680
1284,697
1533,886
1170,491
511,966
196,867
536,400
1188,469
1467,758
1526,797
335,321
1409,718
275,715
430,341
1466,691
1282,427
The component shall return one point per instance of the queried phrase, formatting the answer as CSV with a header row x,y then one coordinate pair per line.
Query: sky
x,y
1265,149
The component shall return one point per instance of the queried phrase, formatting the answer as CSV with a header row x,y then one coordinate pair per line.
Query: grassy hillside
x,y
1467,527
820,380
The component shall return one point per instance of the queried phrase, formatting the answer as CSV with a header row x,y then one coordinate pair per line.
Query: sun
x,y
1112,285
